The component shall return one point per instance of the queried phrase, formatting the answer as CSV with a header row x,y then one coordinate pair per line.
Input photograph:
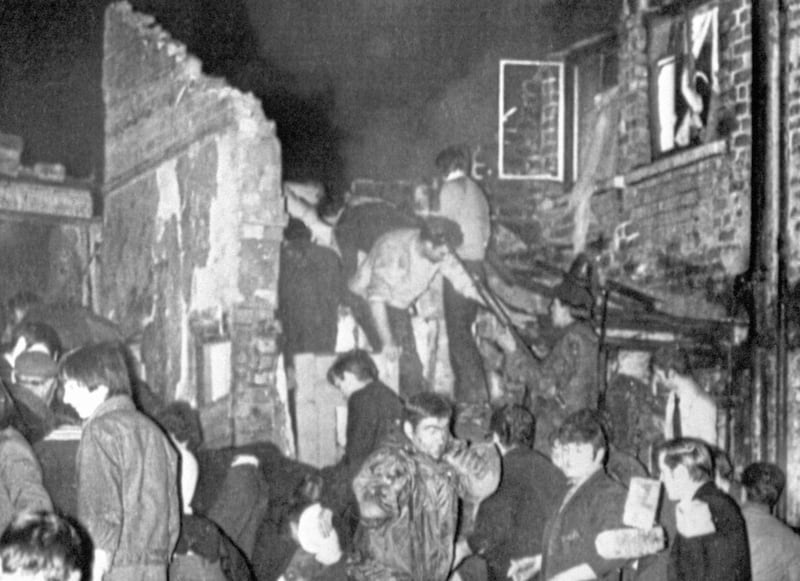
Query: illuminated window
x,y
683,53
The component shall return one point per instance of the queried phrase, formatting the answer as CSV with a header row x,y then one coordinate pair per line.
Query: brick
x,y
51,172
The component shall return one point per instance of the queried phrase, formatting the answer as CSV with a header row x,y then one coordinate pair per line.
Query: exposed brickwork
x,y
193,218
792,128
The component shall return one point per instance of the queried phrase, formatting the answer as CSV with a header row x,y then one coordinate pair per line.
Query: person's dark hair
x,y
582,427
181,420
514,426
606,420
35,332
441,231
96,365
453,158
764,483
426,405
358,362
671,357
692,453
44,543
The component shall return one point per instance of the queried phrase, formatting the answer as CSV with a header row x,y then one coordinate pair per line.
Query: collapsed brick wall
x,y
193,218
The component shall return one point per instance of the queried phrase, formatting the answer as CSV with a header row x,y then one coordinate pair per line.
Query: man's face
x,y
84,401
434,253
577,460
348,383
560,314
660,378
430,436
677,481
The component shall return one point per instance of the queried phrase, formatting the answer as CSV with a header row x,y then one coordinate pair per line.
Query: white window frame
x,y
504,114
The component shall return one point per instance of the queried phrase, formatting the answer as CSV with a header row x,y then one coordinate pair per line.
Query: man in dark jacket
x,y
711,544
592,505
374,412
373,409
510,523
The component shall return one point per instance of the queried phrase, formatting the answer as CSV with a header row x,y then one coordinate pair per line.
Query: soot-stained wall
x,y
193,217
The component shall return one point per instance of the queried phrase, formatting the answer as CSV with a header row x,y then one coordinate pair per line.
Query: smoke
x,y
373,88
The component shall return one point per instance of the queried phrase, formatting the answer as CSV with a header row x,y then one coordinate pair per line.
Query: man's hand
x,y
524,568
478,467
462,551
467,460
101,564
326,522
391,351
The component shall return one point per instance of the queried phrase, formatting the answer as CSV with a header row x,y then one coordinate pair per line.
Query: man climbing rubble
x,y
400,267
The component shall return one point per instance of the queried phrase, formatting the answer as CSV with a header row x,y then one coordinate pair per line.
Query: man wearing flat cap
x,y
48,425
35,382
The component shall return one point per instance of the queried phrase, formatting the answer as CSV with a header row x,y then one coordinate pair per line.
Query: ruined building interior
x,y
687,217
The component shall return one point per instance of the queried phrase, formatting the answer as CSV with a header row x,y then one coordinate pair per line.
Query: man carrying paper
x,y
582,540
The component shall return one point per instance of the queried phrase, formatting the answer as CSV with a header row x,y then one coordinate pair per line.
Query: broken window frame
x,y
672,100
591,69
541,130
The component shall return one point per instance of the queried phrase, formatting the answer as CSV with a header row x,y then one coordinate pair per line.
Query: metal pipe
x,y
762,223
781,354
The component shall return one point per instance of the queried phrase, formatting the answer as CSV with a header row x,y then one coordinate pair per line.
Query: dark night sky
x,y
358,88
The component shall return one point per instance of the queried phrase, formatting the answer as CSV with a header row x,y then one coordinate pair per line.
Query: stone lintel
x,y
43,198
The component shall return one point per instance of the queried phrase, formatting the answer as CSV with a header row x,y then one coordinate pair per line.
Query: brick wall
x,y
679,217
792,127
193,217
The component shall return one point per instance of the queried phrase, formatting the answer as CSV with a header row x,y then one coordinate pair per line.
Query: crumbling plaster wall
x,y
193,217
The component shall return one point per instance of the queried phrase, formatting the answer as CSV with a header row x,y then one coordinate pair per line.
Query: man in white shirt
x,y
696,415
400,266
462,200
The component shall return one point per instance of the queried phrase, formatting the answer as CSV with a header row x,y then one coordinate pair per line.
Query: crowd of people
x,y
407,500
100,481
